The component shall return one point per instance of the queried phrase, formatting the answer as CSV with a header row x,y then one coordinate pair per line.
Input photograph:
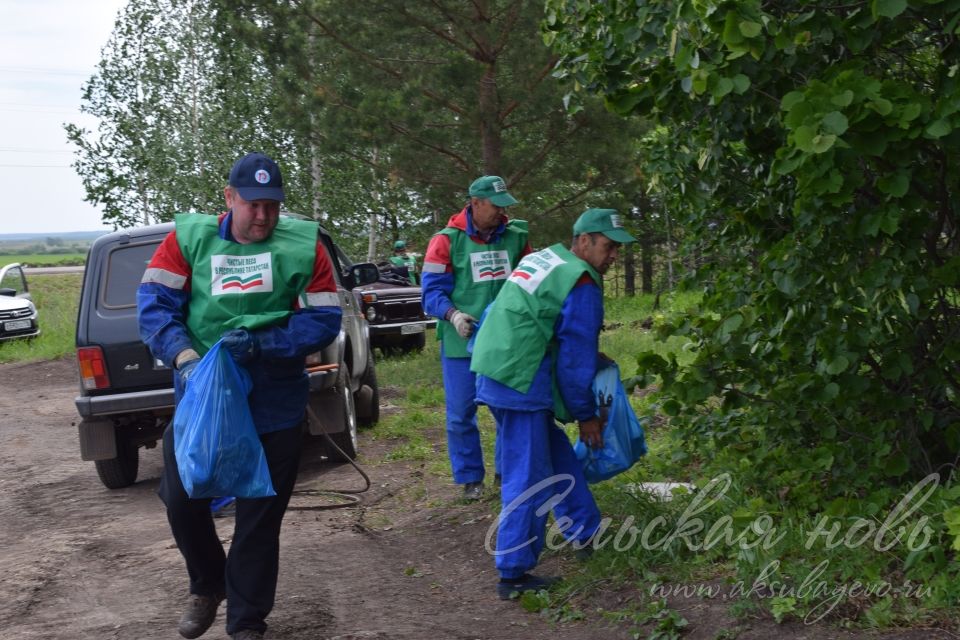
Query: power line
x,y
14,150
36,166
47,71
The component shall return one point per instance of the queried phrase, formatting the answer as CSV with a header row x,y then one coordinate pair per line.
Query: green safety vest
x,y
479,271
409,262
518,329
235,285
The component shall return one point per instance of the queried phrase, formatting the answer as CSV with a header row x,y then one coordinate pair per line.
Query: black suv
x,y
126,395
393,309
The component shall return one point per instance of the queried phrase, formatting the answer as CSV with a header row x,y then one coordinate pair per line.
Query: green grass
x,y
45,259
56,298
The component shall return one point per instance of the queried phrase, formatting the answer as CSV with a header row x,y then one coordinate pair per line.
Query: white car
x,y
18,315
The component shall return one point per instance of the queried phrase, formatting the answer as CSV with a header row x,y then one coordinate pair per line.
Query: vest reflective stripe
x,y
434,267
236,285
164,277
519,327
479,273
322,299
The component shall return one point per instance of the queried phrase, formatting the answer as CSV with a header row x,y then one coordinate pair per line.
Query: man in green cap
x,y
403,260
464,268
535,357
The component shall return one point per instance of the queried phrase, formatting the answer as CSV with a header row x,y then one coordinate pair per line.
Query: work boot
x,y
472,490
247,634
200,613
527,582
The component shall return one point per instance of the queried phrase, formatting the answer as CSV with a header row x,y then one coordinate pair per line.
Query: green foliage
x,y
809,154
56,298
426,96
878,558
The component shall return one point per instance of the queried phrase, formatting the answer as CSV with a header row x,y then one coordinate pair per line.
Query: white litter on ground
x,y
663,491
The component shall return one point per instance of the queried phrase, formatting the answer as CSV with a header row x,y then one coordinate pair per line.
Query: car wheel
x,y
415,342
371,414
347,438
120,472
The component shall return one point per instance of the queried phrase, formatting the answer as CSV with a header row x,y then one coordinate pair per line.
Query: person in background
x,y
535,357
265,285
401,259
464,268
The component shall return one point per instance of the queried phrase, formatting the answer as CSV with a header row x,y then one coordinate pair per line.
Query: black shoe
x,y
473,491
583,553
247,634
200,613
527,582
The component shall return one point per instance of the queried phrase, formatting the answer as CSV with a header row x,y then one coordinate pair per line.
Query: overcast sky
x,y
48,49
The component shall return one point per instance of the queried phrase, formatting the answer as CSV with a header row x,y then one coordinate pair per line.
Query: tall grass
x,y
56,298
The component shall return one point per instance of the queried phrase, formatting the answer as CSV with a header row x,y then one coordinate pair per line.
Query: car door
x,y
13,282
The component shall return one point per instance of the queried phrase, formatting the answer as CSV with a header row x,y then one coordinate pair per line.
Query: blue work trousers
x,y
463,436
534,450
248,574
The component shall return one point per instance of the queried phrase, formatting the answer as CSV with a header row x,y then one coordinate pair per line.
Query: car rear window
x,y
125,267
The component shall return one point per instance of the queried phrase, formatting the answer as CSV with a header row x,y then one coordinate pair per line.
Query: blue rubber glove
x,y
186,369
242,345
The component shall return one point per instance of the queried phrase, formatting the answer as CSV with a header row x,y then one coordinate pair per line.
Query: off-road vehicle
x,y
126,395
393,309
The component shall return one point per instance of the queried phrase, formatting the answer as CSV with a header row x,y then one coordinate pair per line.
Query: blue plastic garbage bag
x,y
623,439
215,441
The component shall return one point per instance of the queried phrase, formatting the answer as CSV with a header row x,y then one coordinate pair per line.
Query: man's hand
x,y
591,432
186,369
242,345
463,323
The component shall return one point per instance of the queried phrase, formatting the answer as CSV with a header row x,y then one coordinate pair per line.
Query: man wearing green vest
x,y
535,357
401,259
464,268
265,285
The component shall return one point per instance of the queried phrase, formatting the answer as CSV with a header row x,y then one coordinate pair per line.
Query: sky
x,y
48,49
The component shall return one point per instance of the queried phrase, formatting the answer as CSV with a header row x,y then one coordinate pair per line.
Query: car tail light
x,y
93,369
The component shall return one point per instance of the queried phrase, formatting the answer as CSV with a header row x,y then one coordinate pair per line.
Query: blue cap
x,y
257,177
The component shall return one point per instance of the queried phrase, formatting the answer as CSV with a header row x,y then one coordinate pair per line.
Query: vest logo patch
x,y
241,274
488,266
534,269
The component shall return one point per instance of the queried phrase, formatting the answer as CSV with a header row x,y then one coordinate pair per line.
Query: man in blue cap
x,y
265,285
464,268
535,357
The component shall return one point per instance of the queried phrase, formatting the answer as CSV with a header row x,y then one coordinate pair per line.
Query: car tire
x,y
414,343
120,472
346,439
369,379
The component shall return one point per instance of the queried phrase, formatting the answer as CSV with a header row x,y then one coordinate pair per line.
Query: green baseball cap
x,y
494,189
399,244
605,221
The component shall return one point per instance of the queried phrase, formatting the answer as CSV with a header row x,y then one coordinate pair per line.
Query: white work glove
x,y
463,323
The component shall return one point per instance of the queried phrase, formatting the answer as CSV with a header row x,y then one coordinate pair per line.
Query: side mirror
x,y
6,291
363,273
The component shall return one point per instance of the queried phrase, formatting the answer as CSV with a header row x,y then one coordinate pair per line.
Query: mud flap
x,y
328,413
97,440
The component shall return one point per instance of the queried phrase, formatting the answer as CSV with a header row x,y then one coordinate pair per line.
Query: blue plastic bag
x,y
623,439
216,444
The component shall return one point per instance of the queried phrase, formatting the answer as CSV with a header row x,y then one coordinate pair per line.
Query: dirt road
x,y
80,561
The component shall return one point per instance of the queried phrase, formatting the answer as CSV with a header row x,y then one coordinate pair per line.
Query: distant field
x,y
45,259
